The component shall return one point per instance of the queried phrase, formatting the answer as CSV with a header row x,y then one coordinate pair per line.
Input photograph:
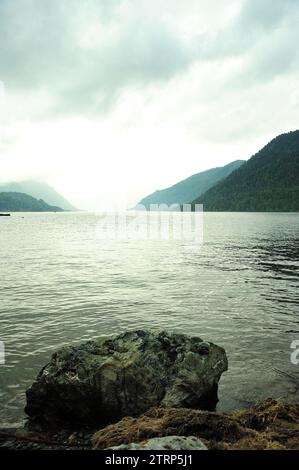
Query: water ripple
x,y
61,285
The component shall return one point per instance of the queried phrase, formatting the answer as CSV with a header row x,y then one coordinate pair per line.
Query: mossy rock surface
x,y
100,382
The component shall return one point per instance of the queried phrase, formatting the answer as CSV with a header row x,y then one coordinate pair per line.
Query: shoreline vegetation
x,y
269,425
138,388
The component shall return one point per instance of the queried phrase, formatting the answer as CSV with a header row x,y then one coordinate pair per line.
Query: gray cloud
x,y
40,47
43,47
264,15
265,35
270,35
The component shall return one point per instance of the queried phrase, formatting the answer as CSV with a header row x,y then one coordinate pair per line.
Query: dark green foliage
x,y
268,182
20,202
186,190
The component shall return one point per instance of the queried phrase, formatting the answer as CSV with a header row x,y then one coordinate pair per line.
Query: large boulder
x,y
101,381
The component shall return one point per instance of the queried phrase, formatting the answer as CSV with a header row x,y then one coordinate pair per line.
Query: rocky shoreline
x,y
144,390
269,425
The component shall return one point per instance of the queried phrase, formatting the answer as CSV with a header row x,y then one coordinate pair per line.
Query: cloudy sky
x,y
108,100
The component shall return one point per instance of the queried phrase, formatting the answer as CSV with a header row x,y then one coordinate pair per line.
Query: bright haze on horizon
x,y
109,100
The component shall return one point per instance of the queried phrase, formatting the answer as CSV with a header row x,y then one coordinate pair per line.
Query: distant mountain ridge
x,y
20,202
187,190
38,190
269,181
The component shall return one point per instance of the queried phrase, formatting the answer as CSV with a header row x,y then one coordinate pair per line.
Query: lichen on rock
x,y
100,382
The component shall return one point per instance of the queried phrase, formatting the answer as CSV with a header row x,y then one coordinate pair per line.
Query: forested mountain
x,y
185,191
269,181
20,202
38,190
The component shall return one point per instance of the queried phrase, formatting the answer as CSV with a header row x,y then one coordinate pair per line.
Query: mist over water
x,y
60,285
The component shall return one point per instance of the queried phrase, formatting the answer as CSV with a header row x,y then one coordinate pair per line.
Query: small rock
x,y
164,443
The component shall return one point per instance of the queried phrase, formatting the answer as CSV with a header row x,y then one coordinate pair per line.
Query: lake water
x,y
60,284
